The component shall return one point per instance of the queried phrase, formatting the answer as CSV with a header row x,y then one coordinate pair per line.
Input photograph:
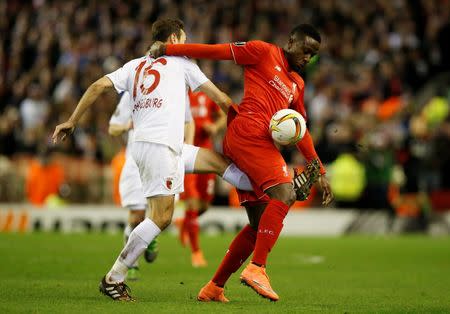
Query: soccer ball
x,y
287,127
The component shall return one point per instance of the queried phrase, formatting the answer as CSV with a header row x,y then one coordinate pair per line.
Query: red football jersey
x,y
269,84
203,111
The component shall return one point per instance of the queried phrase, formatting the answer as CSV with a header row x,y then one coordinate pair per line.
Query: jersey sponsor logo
x,y
278,68
240,43
148,103
278,84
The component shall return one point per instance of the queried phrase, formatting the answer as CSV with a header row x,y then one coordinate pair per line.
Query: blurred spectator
x,y
116,166
45,177
9,123
34,109
348,180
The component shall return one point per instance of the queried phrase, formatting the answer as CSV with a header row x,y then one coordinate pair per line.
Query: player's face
x,y
300,52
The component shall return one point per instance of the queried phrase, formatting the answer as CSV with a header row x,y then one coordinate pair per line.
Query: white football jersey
x,y
157,91
123,113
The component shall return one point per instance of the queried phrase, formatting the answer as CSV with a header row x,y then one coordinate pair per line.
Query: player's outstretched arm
x,y
216,95
196,51
88,98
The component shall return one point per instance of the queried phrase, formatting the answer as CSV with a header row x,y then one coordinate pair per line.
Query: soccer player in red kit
x,y
199,188
271,83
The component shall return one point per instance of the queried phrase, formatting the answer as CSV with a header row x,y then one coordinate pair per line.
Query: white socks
x,y
139,239
236,177
126,236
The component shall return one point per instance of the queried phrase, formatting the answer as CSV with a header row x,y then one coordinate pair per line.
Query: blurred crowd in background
x,y
377,96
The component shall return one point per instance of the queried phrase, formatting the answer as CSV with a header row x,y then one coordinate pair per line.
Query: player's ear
x,y
173,38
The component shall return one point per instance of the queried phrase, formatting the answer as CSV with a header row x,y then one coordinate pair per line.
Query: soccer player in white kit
x,y
158,89
130,186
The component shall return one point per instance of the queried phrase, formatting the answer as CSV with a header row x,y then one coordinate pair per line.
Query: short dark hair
x,y
162,29
303,30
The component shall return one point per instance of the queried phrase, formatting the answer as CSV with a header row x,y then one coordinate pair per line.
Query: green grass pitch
x,y
54,273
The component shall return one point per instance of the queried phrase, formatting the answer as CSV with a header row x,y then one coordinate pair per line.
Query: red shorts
x,y
199,186
254,152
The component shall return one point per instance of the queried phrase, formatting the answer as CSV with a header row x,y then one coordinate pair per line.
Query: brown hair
x,y
162,29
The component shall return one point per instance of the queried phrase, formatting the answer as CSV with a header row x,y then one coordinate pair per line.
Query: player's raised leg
x,y
201,160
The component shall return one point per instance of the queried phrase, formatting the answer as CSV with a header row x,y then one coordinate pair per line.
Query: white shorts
x,y
161,169
130,186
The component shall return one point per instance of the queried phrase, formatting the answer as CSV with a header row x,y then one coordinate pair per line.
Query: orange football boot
x,y
198,260
256,278
211,292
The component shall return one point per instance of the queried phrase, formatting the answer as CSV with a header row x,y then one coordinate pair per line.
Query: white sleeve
x,y
193,75
122,77
122,114
188,112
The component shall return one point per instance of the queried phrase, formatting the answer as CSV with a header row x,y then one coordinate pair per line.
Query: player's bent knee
x,y
291,197
283,192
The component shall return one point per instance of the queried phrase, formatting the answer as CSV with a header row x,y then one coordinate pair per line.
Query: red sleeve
x,y
200,51
246,53
306,146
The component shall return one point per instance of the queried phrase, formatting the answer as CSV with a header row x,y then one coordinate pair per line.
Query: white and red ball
x,y
287,127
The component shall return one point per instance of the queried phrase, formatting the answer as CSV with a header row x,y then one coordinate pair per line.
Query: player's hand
x,y
158,49
62,131
327,196
210,128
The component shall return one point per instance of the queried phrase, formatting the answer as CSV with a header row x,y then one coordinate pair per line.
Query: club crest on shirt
x,y
240,43
169,183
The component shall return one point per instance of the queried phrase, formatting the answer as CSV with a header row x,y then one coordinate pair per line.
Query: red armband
x,y
200,51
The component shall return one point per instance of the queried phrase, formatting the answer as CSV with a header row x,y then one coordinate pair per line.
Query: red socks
x,y
192,228
238,252
269,229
